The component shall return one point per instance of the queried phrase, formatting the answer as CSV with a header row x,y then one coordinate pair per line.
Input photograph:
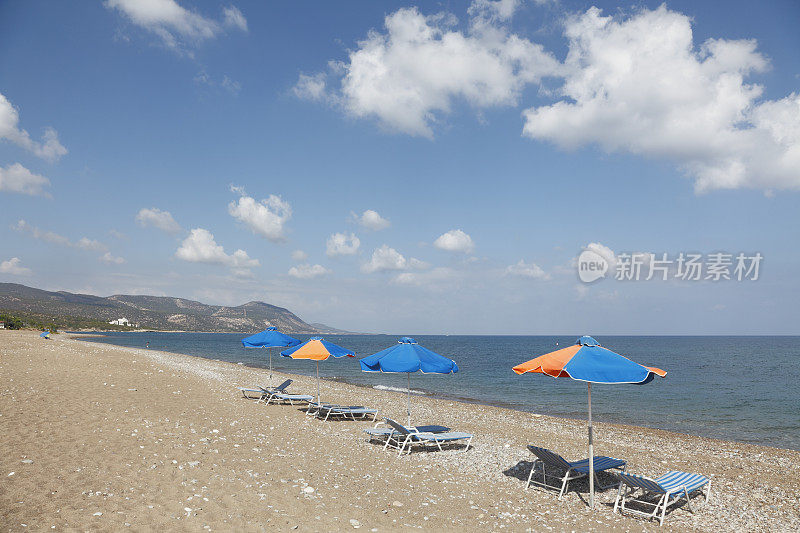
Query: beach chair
x,y
404,438
328,411
666,491
282,397
572,470
262,391
382,434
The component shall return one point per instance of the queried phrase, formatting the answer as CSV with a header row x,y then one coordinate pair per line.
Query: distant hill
x,y
151,312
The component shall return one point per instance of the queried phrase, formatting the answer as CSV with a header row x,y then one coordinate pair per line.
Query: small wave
x,y
398,389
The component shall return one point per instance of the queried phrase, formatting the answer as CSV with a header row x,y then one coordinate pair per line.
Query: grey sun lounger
x,y
384,433
666,490
404,438
262,391
280,397
572,470
327,411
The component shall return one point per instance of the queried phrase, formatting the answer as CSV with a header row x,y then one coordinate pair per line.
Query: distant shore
x,y
160,440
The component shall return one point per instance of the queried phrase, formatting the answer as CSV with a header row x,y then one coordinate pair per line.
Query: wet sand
x,y
98,437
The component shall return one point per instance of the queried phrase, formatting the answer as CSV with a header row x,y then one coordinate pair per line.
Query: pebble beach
x,y
100,437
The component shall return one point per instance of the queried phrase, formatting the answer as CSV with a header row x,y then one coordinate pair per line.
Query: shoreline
x,y
426,393
158,440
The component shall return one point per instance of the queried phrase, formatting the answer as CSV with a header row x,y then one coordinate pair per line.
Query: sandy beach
x,y
97,437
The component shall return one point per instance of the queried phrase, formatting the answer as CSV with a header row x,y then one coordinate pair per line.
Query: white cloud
x,y
233,18
111,260
176,26
299,255
84,243
156,218
266,218
342,244
306,271
386,258
527,270
14,267
200,247
49,149
310,87
16,178
371,219
435,277
414,71
455,241
640,85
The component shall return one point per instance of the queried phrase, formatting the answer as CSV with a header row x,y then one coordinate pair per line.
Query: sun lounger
x,y
665,490
404,438
280,397
383,433
326,411
262,391
572,470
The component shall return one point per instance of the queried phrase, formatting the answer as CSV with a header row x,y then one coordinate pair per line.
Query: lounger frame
x,y
649,487
572,471
403,438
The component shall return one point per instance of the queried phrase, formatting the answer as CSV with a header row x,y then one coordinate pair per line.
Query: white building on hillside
x,y
122,322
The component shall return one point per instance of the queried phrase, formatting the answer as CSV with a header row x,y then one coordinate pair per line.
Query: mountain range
x,y
71,310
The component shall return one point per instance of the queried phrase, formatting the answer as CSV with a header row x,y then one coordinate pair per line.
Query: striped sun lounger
x,y
279,397
572,470
665,490
382,434
327,411
260,393
403,438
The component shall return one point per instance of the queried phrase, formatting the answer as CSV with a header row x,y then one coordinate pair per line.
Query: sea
x,y
734,388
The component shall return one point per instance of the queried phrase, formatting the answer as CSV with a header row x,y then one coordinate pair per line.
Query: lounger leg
x,y
619,493
708,491
564,484
688,501
530,476
664,501
467,447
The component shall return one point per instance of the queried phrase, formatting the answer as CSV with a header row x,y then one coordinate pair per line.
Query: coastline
x,y
578,414
150,406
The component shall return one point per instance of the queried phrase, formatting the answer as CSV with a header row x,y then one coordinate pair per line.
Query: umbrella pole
x,y
591,452
270,365
408,398
317,382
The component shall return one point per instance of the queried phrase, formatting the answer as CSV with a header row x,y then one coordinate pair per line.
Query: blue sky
x,y
136,140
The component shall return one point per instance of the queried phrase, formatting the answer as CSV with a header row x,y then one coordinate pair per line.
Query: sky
x,y
410,168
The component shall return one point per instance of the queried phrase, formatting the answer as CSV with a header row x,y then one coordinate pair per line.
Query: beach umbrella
x,y
408,356
317,350
269,338
587,361
45,334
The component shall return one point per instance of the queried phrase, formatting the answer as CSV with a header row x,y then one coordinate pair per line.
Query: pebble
x,y
396,504
308,490
27,461
98,513
355,523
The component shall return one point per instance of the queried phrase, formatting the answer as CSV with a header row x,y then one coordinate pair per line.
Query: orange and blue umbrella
x,y
317,350
587,361
269,338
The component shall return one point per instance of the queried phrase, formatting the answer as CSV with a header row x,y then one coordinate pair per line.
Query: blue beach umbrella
x,y
317,350
269,338
587,361
45,334
408,356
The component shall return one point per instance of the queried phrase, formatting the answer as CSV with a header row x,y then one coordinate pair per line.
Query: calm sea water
x,y
734,388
